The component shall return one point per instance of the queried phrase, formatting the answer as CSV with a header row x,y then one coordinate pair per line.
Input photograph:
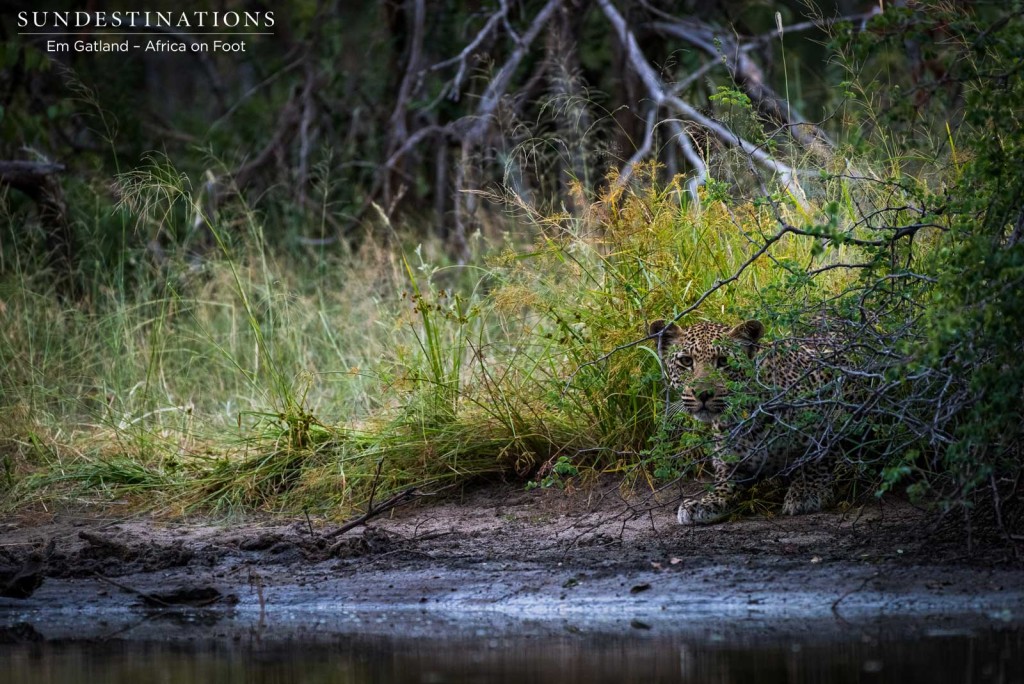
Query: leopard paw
x,y
798,502
699,512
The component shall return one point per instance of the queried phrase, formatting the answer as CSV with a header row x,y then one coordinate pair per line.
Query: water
x,y
855,654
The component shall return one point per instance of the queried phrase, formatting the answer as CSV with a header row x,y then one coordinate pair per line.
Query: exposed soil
x,y
498,558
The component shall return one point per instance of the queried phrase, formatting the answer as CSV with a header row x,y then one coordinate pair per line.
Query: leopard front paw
x,y
700,511
805,501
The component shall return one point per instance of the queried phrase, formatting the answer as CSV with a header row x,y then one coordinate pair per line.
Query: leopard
x,y
701,362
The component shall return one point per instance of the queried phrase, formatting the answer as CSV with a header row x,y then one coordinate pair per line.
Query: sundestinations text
x,y
141,19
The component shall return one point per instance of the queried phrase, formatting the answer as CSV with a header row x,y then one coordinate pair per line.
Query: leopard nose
x,y
706,395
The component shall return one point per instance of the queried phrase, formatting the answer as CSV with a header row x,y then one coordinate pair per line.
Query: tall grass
x,y
248,380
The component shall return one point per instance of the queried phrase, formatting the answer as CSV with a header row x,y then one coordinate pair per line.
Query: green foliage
x,y
976,319
245,370
941,285
562,471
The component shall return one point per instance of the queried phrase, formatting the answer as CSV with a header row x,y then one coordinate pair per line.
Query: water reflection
x,y
984,656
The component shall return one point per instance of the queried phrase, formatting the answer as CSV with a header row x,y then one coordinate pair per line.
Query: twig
x,y
835,604
148,598
371,512
375,483
997,505
284,132
253,90
719,284
817,23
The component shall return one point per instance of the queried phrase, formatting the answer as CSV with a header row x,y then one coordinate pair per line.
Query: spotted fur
x,y
701,360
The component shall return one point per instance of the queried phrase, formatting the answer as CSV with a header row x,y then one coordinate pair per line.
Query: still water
x,y
968,657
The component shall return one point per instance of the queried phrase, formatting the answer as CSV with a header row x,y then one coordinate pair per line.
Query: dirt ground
x,y
500,558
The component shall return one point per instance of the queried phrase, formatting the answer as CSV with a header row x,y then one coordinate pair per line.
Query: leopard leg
x,y
810,489
715,504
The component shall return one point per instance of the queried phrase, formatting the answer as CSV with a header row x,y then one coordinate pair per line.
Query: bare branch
x,y
641,151
27,176
690,152
679,86
816,23
749,76
288,119
452,88
661,96
499,84
397,123
205,61
306,135
474,128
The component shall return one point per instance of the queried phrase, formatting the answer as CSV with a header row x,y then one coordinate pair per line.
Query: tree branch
x,y
452,88
690,152
661,96
748,75
641,151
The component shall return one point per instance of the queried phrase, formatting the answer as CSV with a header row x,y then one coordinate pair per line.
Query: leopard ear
x,y
748,332
666,330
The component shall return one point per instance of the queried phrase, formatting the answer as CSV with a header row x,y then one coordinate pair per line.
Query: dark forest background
x,y
410,104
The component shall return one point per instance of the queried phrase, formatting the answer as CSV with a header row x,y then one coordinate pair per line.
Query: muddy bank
x,y
502,561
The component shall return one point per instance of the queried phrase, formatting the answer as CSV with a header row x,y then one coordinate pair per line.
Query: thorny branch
x,y
718,284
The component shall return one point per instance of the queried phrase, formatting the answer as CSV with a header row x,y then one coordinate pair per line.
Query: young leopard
x,y
701,360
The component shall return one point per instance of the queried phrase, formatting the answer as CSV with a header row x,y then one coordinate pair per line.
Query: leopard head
x,y
701,358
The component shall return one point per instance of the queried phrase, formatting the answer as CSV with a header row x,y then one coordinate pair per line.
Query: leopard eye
x,y
685,361
722,362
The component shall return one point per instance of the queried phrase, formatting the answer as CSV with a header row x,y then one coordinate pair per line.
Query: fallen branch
x,y
851,592
27,176
22,582
109,546
372,511
192,597
148,599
